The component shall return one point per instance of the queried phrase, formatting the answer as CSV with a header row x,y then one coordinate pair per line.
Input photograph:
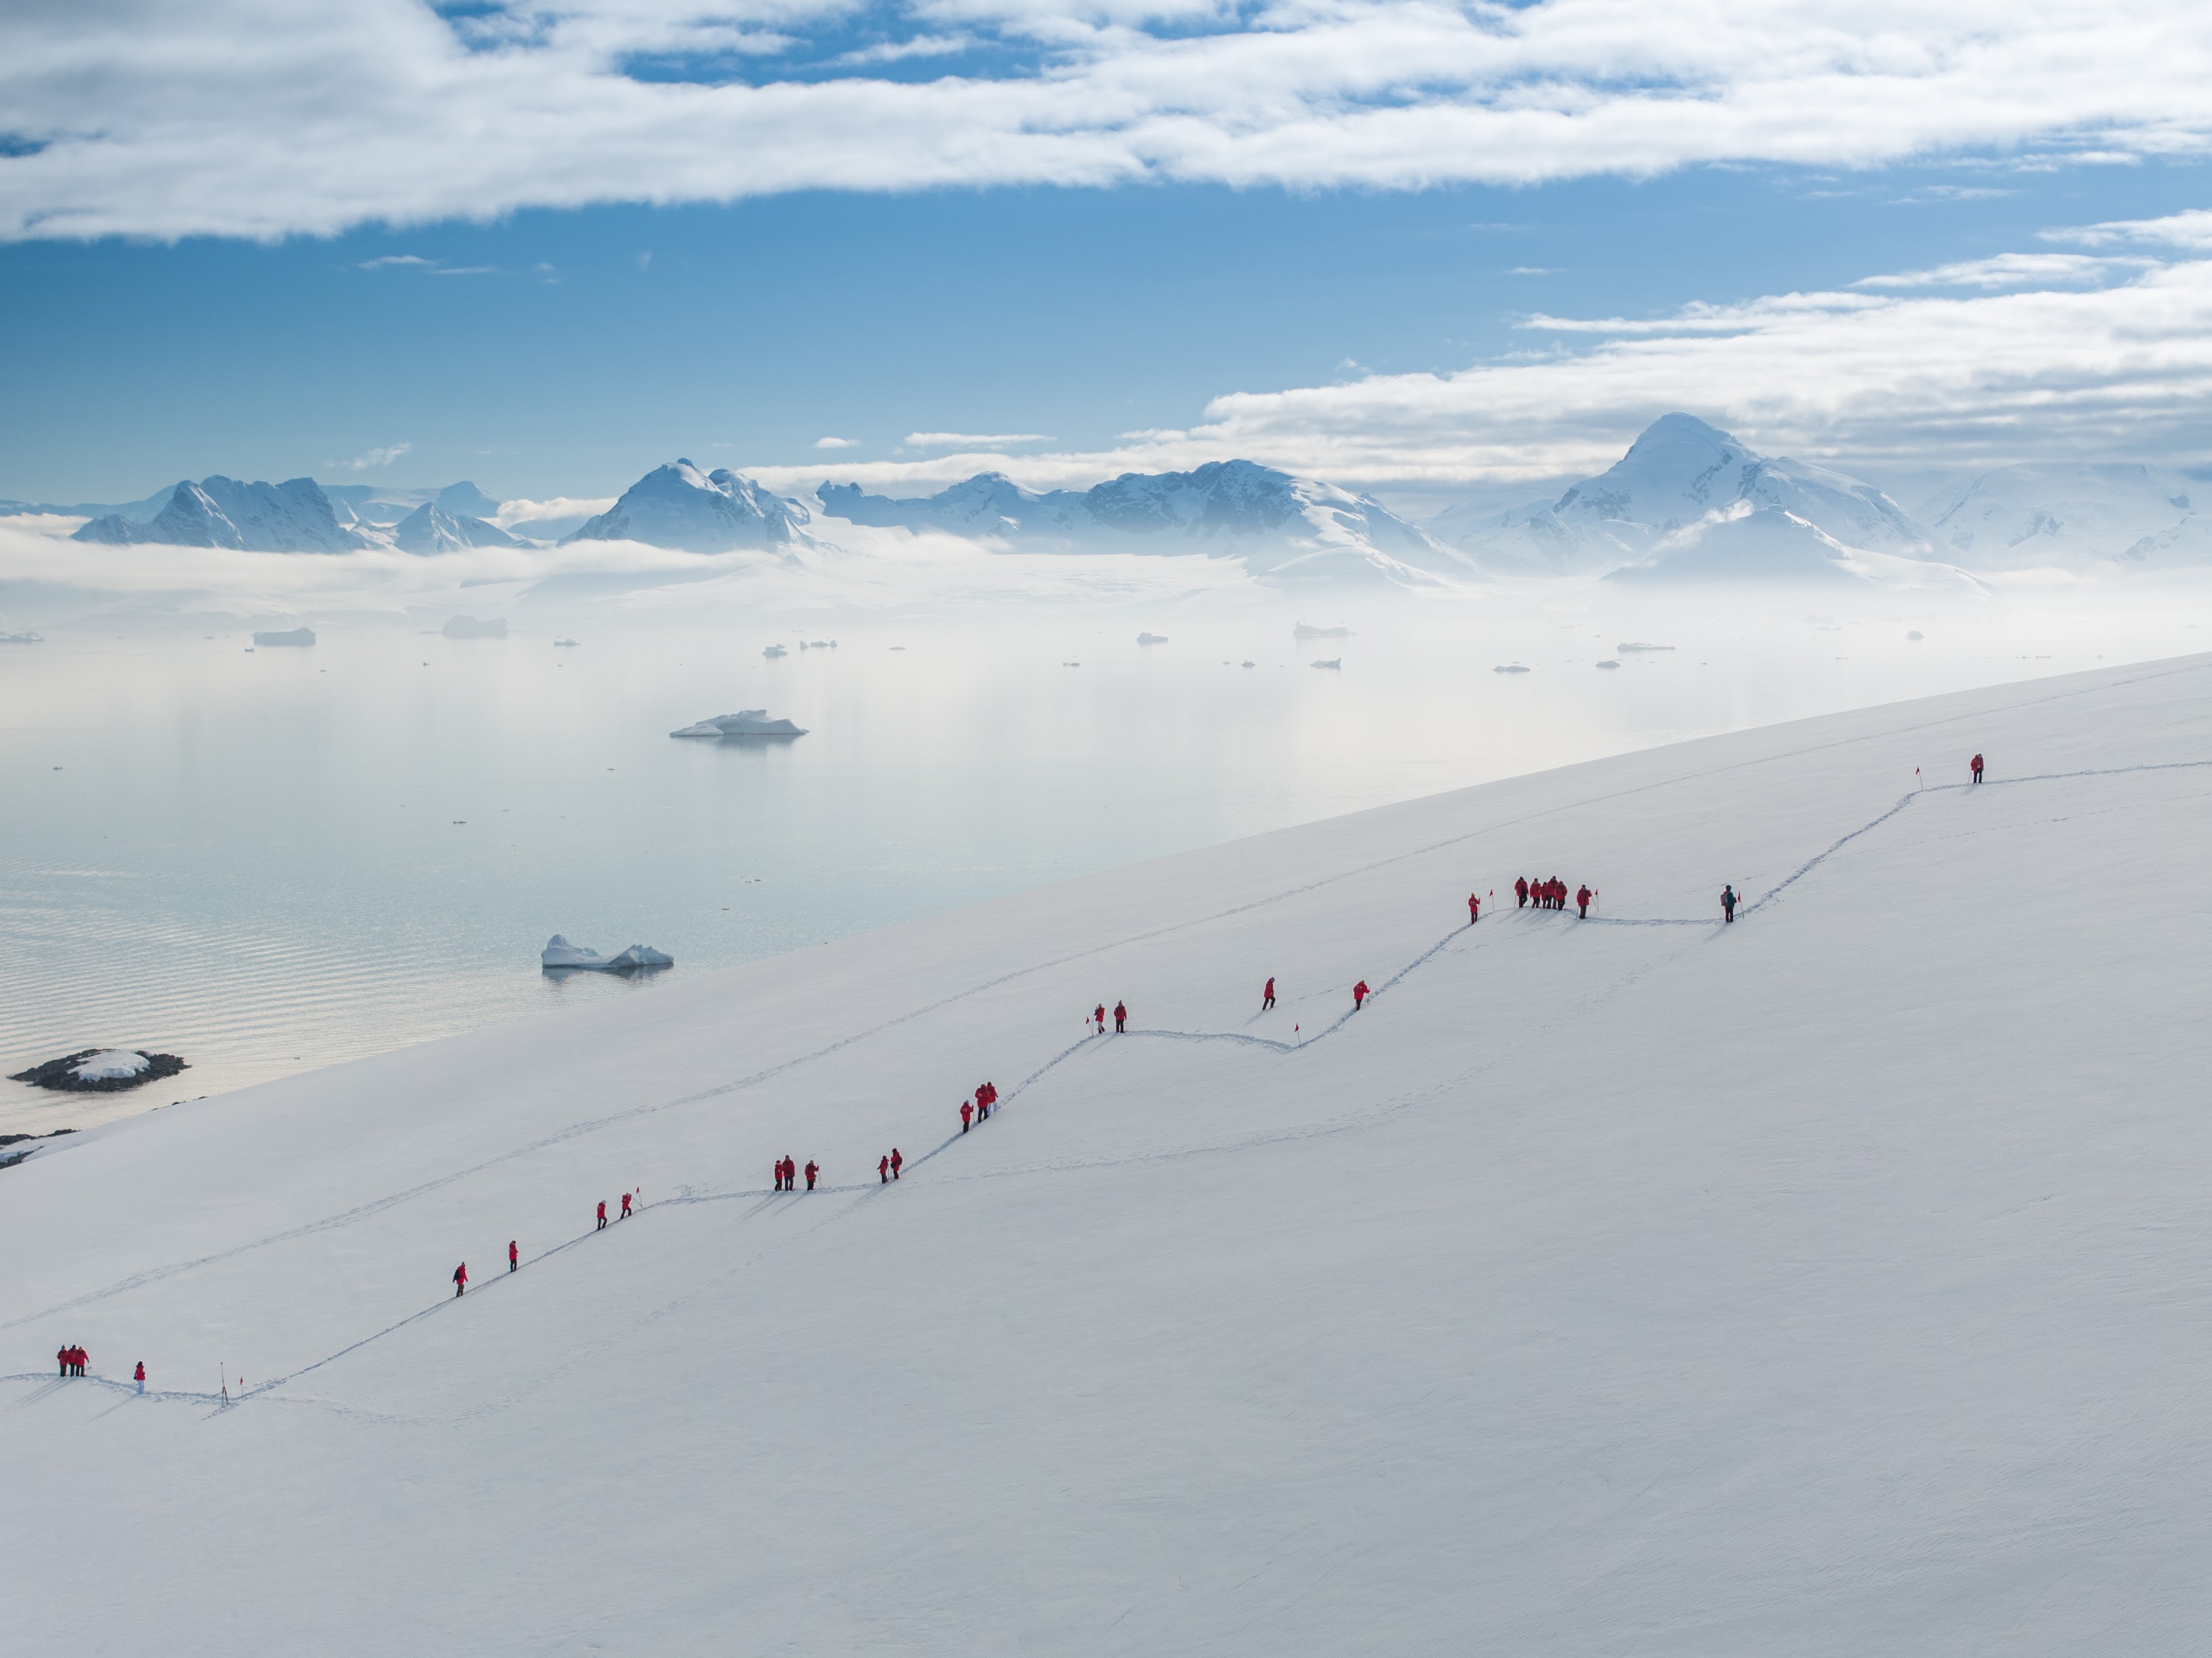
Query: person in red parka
x,y
967,1111
1121,1017
1582,899
460,1278
1359,994
991,1092
61,1357
1977,766
982,1107
1099,1014
514,1254
602,1225
884,1170
625,1214
1267,996
139,1375
1520,892
1473,909
896,1160
813,1169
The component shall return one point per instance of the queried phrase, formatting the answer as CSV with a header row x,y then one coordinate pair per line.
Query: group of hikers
x,y
1121,1017
786,1174
887,1168
625,1216
979,1108
1547,895
73,1360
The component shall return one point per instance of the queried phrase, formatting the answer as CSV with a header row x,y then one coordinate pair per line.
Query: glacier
x,y
1822,1282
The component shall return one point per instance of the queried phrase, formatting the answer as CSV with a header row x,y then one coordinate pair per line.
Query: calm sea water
x,y
272,860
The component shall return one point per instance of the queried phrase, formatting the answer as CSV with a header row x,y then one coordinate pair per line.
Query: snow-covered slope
x,y
1745,544
2056,514
295,516
1679,473
1827,1284
432,530
1281,526
678,506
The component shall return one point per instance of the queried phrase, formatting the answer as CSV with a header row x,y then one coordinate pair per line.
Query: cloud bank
x,y
2084,358
269,118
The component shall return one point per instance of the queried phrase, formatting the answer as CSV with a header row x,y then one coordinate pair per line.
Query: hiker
x,y
61,1358
602,1225
991,1090
1359,996
78,1359
1473,909
1582,899
625,1214
139,1376
1977,768
813,1169
1267,996
1727,904
1121,1017
896,1160
460,1279
884,1170
1520,892
967,1111
514,1255
1099,1014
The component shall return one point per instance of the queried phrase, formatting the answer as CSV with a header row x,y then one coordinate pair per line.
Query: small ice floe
x,y
1608,664
297,635
817,644
1244,664
22,638
1302,632
774,651
560,954
468,627
1071,664
1152,638
1333,661
558,644
1509,667
747,722
1627,645
1916,636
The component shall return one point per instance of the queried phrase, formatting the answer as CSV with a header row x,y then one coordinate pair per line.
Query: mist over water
x,y
271,860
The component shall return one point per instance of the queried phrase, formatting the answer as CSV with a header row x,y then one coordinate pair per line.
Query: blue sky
x,y
562,346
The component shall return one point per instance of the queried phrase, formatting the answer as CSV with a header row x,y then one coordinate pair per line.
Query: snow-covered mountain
x,y
1654,506
1746,543
431,528
1280,525
295,516
2068,513
680,507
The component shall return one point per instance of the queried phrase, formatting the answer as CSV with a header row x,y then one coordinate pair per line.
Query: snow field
x,y
1831,1282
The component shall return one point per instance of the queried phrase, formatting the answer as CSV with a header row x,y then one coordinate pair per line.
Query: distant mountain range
x,y
1687,503
1284,528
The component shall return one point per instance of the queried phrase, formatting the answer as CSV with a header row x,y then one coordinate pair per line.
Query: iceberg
x,y
1333,661
747,722
298,635
774,651
1152,638
1509,667
560,954
1302,632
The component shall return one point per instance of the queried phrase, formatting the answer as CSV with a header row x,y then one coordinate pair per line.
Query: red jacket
x,y
141,1375
967,1111
896,1161
1359,990
812,1169
1583,896
461,1273
1120,1011
603,1208
512,1253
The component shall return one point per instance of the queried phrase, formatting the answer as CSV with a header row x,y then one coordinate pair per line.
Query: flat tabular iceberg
x,y
560,953
747,722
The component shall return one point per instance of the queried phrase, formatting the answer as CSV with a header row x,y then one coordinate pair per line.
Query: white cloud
x,y
2009,271
971,439
836,442
1894,377
383,457
268,117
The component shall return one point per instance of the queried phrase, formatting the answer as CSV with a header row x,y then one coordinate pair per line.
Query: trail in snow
x,y
688,1196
